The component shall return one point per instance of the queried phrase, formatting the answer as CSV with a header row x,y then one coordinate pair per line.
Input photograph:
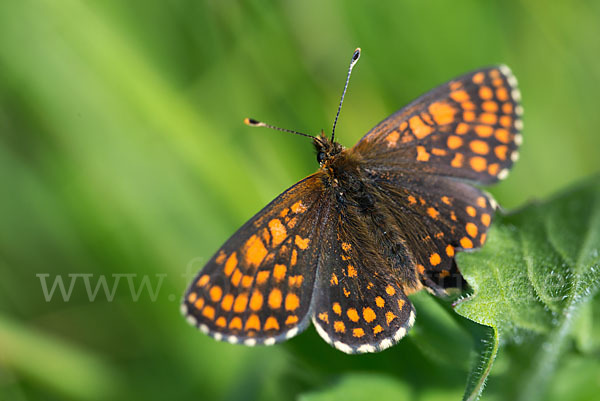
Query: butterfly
x,y
345,246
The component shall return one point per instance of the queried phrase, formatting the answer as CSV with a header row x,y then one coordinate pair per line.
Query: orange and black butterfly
x,y
345,246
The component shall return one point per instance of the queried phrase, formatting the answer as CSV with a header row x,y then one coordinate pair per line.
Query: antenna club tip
x,y
251,122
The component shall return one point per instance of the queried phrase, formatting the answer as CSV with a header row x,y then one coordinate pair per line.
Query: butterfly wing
x,y
468,128
360,303
436,217
257,288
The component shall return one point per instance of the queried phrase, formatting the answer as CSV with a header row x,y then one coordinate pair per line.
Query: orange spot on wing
x,y
502,135
298,207
324,317
446,200
435,259
369,314
450,250
346,247
392,139
422,154
481,202
247,281
466,243
433,213
291,319
471,229
485,93
482,239
506,121
442,113
351,271
439,152
377,329
334,279
454,142
353,314
279,272
336,308
502,94
486,219
262,277
488,118
221,321
471,211
236,323
208,312
275,298
199,304
221,258
256,300
294,258
507,108
458,160
389,316
236,277
278,231
192,297
231,263
493,169
339,326
400,304
490,106
358,332
271,324
479,147
478,163
421,269
380,302
390,290
484,131
501,151
478,78
419,128
295,281
292,302
469,116
241,301
253,323
459,96
412,200
227,302
301,243
462,128
215,293
255,251
202,281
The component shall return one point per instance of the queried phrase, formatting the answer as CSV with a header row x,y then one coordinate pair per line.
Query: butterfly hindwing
x,y
257,288
467,128
359,303
436,217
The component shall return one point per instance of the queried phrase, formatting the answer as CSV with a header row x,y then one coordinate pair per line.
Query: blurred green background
x,y
123,152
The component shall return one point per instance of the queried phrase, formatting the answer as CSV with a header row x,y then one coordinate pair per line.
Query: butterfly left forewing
x,y
257,288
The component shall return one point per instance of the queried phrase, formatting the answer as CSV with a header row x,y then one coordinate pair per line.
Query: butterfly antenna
x,y
254,123
353,61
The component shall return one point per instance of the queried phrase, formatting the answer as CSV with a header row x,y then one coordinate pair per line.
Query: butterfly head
x,y
326,149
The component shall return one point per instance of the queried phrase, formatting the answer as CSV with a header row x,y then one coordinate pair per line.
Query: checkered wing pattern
x,y
435,217
468,128
257,288
360,304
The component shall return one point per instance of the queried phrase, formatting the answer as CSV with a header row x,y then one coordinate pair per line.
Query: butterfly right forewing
x,y
468,128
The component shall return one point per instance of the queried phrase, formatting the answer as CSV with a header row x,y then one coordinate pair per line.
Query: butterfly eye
x,y
320,157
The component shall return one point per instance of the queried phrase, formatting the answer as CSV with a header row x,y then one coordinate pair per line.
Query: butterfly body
x,y
345,246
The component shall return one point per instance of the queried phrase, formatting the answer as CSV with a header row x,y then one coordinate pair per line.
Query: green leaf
x,y
361,386
539,268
